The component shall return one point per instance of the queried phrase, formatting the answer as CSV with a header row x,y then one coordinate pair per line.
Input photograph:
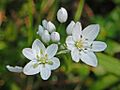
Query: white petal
x,y
56,63
14,69
89,58
51,50
70,46
98,46
40,30
44,22
70,43
28,53
31,68
45,73
37,47
69,28
75,55
77,31
91,32
69,40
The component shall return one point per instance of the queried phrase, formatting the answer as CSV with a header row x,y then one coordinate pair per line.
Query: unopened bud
x,y
62,15
45,36
44,23
50,27
55,36
40,30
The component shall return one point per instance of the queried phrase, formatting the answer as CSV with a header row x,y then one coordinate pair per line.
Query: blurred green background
x,y
19,20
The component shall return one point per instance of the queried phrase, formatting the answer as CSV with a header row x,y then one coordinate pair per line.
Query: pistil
x,y
79,44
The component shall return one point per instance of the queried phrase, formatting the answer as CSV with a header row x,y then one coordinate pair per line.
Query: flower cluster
x,y
48,32
80,43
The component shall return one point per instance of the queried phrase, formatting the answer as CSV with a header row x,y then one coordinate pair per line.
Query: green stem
x,y
79,10
59,28
30,31
63,52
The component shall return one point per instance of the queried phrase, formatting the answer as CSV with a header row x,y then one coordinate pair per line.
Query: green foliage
x,y
107,63
104,82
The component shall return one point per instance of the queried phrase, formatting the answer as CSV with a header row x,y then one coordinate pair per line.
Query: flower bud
x,y
40,30
50,27
69,28
55,36
62,15
44,23
45,36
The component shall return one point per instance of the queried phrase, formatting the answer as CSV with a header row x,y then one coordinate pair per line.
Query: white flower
x,y
62,15
45,36
14,69
41,59
69,28
82,44
55,36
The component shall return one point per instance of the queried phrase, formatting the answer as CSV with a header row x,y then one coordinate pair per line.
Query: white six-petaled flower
x,y
41,59
82,45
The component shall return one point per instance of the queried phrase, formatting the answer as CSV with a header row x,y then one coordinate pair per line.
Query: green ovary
x,y
42,60
79,44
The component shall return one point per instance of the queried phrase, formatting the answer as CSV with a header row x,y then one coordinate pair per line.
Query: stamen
x,y
37,56
35,65
50,62
79,44
41,52
43,60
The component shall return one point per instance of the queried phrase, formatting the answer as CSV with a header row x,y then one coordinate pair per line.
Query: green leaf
x,y
104,82
79,10
2,45
15,87
99,71
109,63
81,69
110,48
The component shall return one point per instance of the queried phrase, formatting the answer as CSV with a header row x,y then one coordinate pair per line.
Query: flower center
x,y
79,44
42,60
